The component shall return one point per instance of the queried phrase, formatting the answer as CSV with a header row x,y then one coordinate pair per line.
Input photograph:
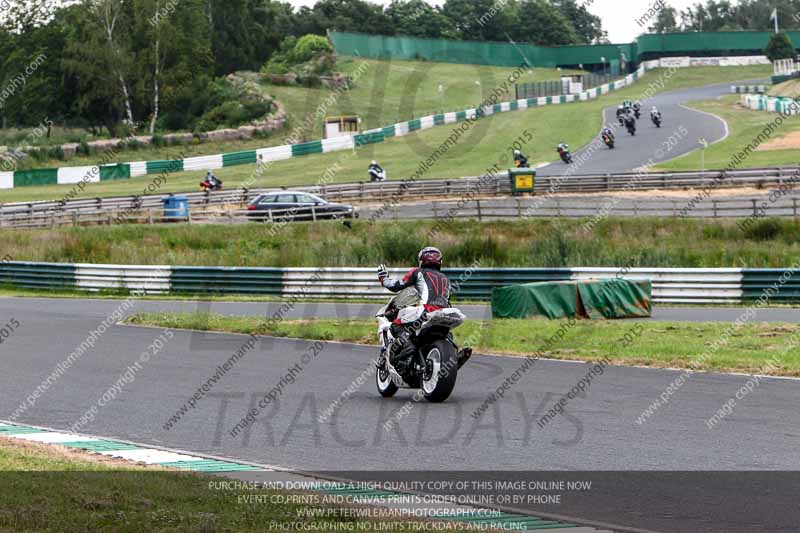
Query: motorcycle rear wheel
x,y
441,371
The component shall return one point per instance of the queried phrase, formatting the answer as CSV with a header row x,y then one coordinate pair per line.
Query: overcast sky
x,y
619,16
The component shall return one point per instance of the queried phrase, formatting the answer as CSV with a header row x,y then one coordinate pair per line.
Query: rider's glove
x,y
382,273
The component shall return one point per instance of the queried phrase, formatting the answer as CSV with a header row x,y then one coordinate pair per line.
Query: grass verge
x,y
51,488
613,242
487,143
754,348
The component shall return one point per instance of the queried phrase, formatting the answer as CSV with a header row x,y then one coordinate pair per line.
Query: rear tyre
x,y
383,380
441,371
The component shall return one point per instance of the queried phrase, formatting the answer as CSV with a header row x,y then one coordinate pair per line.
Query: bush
x,y
779,47
281,61
309,56
309,46
83,148
56,153
158,140
765,229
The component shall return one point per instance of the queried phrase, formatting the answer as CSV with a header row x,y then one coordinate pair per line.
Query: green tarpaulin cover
x,y
596,299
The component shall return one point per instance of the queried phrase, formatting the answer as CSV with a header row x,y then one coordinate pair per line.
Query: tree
x,y
666,21
347,15
419,19
232,40
780,47
98,60
110,14
22,15
539,22
477,20
589,27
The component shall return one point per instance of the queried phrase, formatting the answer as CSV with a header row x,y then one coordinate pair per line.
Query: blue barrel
x,y
176,207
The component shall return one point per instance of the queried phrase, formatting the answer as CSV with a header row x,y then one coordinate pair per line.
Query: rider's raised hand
x,y
382,272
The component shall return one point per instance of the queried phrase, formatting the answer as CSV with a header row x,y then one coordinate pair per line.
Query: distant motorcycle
x,y
376,175
656,120
630,125
609,140
211,185
566,157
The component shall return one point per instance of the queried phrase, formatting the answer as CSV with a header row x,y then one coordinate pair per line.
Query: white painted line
x,y
52,437
724,123
151,456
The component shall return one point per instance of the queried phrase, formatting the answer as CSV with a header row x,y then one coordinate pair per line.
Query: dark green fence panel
x,y
369,138
227,280
649,46
44,176
311,147
37,275
247,157
775,284
121,171
165,166
474,52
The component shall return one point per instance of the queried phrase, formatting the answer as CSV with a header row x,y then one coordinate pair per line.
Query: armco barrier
x,y
14,214
670,285
73,175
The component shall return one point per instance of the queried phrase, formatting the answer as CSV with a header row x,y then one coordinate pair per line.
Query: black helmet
x,y
430,257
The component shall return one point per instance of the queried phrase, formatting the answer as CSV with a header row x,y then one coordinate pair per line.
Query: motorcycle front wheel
x,y
441,370
383,380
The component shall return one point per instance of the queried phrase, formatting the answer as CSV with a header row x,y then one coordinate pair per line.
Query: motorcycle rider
x,y
637,108
562,149
520,161
655,114
375,172
212,181
607,132
620,115
433,288
630,123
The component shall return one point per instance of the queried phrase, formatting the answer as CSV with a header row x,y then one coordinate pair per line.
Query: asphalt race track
x,y
101,308
683,125
598,431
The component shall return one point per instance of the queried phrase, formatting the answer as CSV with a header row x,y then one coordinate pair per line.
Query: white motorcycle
x,y
436,360
374,175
